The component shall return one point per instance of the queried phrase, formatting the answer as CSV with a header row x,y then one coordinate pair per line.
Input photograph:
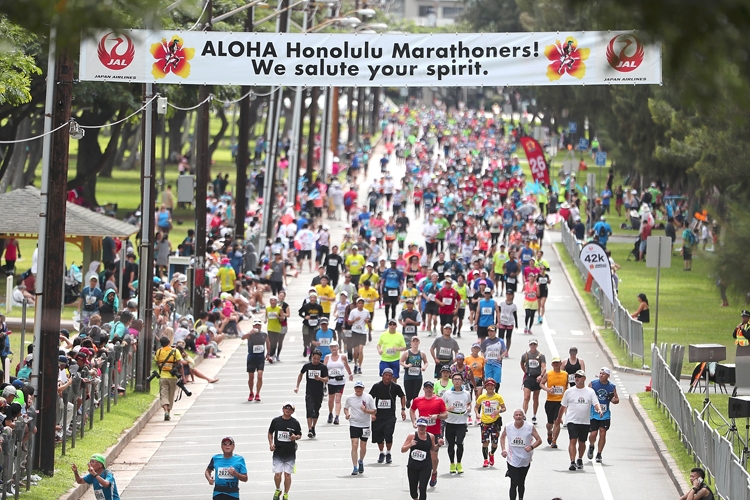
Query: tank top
x,y
336,369
518,440
556,382
409,330
274,325
419,454
530,296
542,282
644,316
571,371
415,371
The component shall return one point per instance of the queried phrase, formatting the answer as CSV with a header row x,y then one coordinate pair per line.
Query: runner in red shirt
x,y
448,300
433,408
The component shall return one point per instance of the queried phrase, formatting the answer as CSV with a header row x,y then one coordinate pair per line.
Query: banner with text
x,y
537,162
596,261
388,60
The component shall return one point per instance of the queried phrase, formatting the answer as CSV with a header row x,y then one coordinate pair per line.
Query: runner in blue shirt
x,y
393,279
324,337
607,394
102,479
486,317
225,471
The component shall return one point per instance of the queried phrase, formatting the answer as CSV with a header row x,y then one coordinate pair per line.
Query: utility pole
x,y
335,123
243,153
54,265
325,133
314,94
146,253
201,181
297,135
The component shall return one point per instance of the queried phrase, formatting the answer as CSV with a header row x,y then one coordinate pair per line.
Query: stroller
x,y
635,252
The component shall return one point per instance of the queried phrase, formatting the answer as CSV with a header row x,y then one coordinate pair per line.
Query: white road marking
x,y
576,332
553,353
552,332
603,483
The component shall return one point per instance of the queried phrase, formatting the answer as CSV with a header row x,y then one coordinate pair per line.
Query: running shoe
x,y
313,431
533,420
286,496
251,396
257,397
381,458
486,463
310,434
492,459
166,416
330,418
469,421
459,468
579,464
539,320
549,438
598,458
276,495
590,453
453,469
361,467
336,420
355,471
433,479
572,466
553,445
388,458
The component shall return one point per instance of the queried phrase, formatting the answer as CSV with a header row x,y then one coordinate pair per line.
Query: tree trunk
x,y
129,162
220,135
18,160
126,137
176,138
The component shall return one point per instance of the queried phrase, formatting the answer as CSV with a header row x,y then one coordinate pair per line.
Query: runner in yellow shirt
x,y
499,259
326,295
490,405
390,346
370,296
409,291
354,263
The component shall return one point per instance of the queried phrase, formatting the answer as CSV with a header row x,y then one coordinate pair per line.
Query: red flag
x,y
537,163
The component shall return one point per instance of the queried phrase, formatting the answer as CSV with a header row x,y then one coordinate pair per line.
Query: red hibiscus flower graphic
x,y
171,57
566,57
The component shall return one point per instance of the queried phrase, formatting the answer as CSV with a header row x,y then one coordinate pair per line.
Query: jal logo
x,y
116,52
625,53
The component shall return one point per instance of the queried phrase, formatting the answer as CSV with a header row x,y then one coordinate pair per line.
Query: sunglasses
x,y
226,443
579,376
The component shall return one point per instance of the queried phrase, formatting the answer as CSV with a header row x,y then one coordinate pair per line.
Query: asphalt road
x,y
174,455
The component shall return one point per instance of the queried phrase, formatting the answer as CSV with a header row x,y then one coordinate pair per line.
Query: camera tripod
x,y
715,418
733,436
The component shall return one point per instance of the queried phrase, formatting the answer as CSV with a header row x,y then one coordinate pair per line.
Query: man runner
x,y
606,392
577,402
358,410
316,374
283,434
225,471
554,383
385,393
533,364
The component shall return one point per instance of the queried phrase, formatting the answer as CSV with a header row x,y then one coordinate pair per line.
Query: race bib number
x,y
312,322
393,293
414,371
90,299
366,433
492,352
489,409
603,407
557,390
458,407
347,333
431,297
433,420
440,269
410,329
572,378
335,372
418,455
390,351
506,319
447,301
445,352
518,442
542,281
273,316
325,342
313,373
223,473
283,436
384,404
259,349
486,311
533,363
99,494
510,280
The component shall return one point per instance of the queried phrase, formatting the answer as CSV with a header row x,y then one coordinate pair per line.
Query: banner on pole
x,y
537,162
596,261
389,60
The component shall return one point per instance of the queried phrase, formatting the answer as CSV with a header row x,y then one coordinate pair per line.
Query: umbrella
x,y
553,219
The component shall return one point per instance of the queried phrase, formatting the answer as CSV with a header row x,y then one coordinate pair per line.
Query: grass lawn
x,y
105,434
689,303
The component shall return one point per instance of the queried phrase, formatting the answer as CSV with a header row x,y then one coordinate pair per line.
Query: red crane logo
x,y
112,58
630,55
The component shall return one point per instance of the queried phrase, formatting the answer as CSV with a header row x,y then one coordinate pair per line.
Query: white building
x,y
427,12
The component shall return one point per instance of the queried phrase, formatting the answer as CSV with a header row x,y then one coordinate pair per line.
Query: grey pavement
x,y
170,459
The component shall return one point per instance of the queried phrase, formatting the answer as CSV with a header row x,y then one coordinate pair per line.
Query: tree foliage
x,y
17,66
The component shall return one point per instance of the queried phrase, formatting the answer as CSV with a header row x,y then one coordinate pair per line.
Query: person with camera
x,y
225,471
100,477
606,391
167,361
258,346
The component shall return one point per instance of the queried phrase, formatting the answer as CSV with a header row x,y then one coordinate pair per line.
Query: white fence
x,y
706,445
628,331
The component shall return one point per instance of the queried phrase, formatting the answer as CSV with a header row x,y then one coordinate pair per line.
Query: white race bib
x,y
325,342
542,280
414,371
571,378
366,433
440,269
272,316
431,296
335,372
347,333
603,407
447,301
312,322
458,407
418,455
433,420
384,404
489,409
486,311
510,280
311,374
390,351
445,352
393,293
410,329
223,473
506,319
99,494
557,390
259,349
518,442
283,436
533,363
492,352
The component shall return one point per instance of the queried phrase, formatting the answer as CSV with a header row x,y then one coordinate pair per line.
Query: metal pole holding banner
x,y
658,255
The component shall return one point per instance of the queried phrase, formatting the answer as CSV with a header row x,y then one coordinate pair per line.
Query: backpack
x,y
690,239
602,233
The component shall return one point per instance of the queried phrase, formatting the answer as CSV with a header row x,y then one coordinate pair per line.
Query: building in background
x,y
427,12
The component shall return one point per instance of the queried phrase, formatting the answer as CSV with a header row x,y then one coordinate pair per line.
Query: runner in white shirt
x,y
359,320
358,410
306,240
518,442
577,402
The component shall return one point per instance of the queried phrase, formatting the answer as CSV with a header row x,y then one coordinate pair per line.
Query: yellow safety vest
x,y
739,334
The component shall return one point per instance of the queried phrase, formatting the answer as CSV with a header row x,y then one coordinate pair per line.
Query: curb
x,y
77,492
661,448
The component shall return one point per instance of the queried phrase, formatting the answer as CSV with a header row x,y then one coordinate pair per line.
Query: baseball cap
x,y
323,320
580,373
460,356
533,341
556,359
392,322
257,322
359,383
476,344
388,370
745,312
288,404
445,368
227,439
606,370
490,381
98,457
62,360
428,383
422,420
